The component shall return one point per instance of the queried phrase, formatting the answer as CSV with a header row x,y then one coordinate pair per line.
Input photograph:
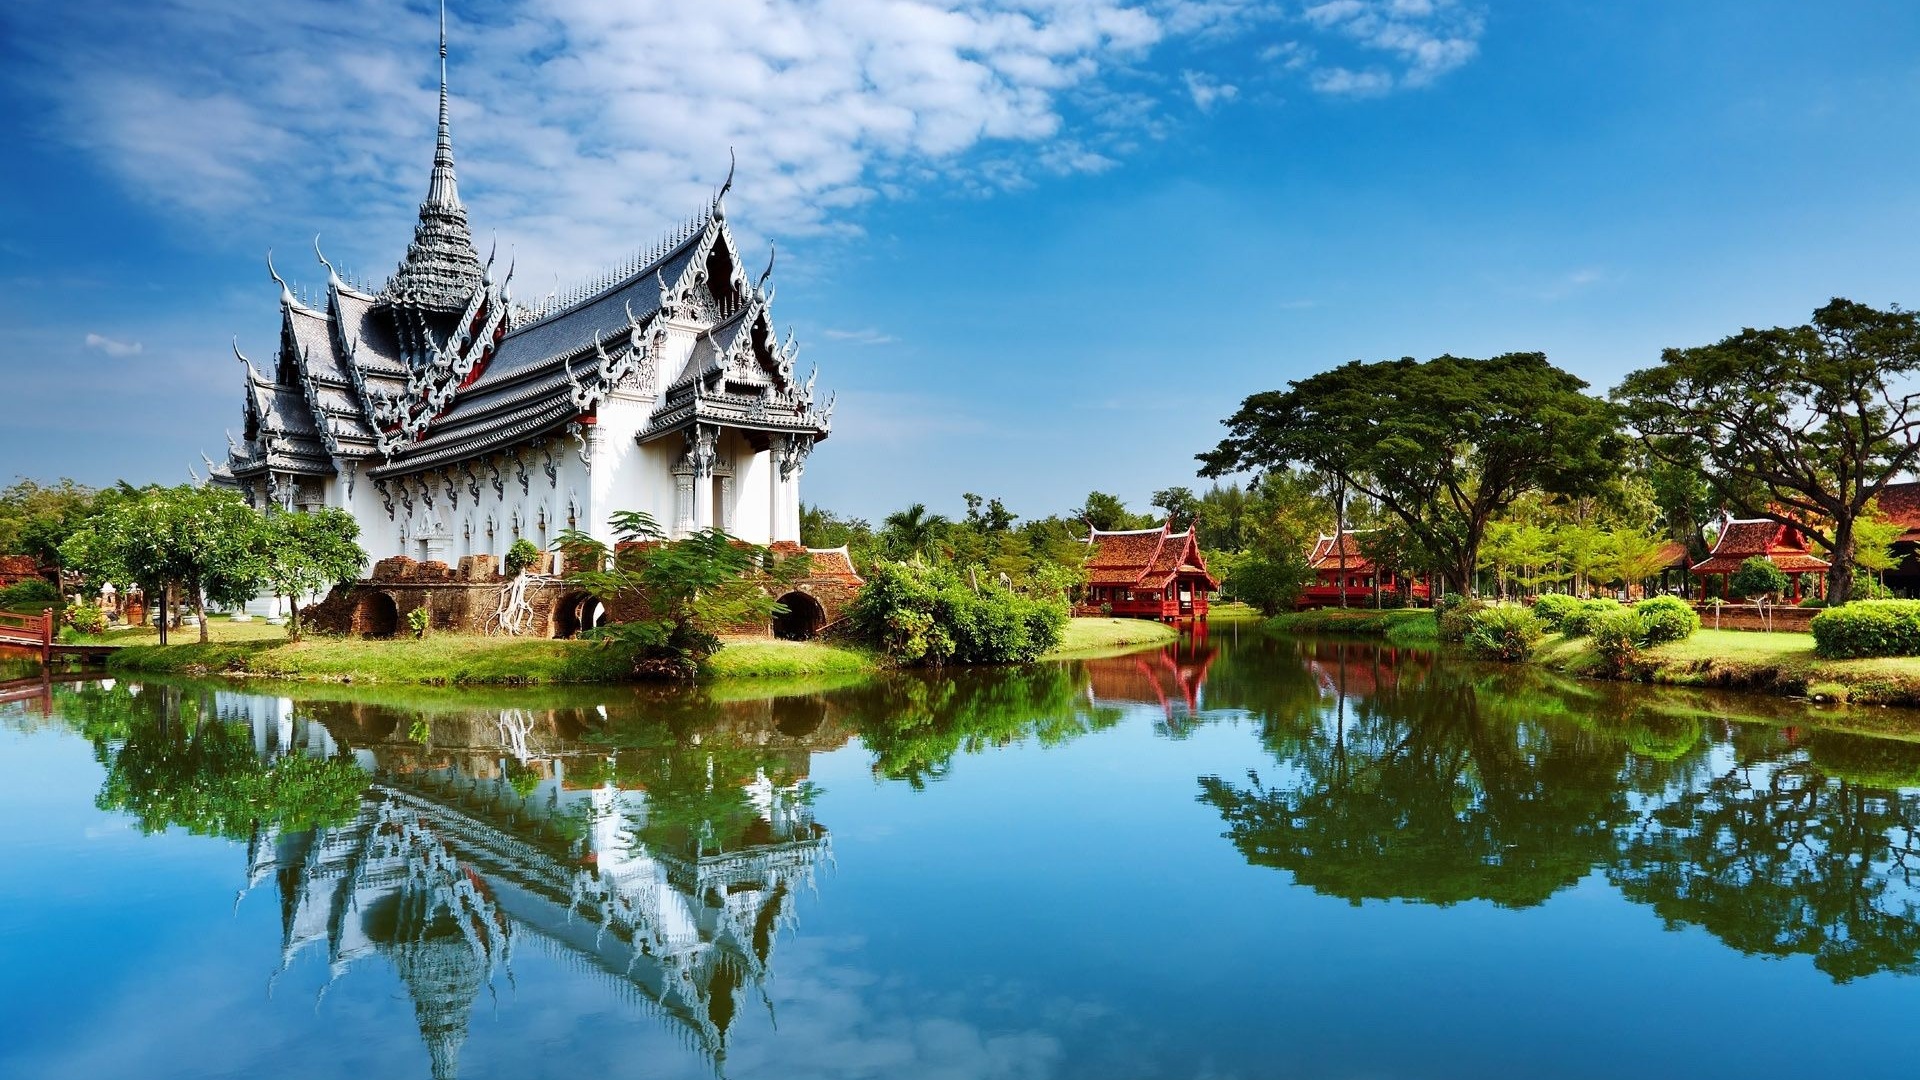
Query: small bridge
x,y
35,632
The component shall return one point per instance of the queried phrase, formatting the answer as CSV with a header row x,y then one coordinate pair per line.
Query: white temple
x,y
451,421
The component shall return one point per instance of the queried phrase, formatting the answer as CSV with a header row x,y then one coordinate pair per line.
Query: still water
x,y
1240,857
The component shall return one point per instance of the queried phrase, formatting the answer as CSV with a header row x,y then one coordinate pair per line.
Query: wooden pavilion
x,y
1331,558
1748,538
1147,574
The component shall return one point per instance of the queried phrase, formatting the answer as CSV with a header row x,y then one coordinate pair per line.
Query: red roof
x,y
1145,558
1326,555
1741,540
19,567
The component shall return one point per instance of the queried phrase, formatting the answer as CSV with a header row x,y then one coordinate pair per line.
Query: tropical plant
x,y
681,594
919,614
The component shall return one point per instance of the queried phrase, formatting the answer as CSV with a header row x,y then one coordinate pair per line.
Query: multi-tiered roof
x,y
438,368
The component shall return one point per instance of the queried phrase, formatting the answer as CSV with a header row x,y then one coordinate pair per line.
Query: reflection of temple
x,y
1172,679
447,872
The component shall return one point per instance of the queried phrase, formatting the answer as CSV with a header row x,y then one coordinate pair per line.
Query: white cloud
x,y
112,347
1207,91
1420,40
584,127
866,336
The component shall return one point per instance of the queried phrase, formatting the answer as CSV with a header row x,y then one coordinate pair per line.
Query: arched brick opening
x,y
576,613
802,620
375,615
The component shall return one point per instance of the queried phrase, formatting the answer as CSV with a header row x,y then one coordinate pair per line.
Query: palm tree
x,y
912,531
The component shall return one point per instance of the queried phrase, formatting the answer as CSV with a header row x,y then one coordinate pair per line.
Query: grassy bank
x,y
1404,626
1777,663
436,660
757,658
1086,638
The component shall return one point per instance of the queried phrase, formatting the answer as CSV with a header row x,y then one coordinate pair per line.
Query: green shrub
x,y
1505,632
86,619
419,620
1667,618
31,591
1580,621
521,555
1812,602
1868,628
1868,587
1617,637
919,614
1553,608
1454,614
1758,576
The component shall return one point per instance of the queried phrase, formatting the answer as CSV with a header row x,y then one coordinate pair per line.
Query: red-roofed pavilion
x,y
1147,574
1742,539
1330,560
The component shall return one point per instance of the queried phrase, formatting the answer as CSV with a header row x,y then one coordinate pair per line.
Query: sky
x,y
1036,247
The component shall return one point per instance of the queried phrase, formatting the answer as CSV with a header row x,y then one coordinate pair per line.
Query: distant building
x,y
1332,559
1749,538
1147,574
15,569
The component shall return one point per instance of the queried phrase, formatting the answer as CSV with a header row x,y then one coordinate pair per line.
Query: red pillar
x,y
46,637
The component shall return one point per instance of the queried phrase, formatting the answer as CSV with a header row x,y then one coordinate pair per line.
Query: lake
x,y
1237,857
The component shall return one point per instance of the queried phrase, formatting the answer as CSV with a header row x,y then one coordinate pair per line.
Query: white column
x,y
726,504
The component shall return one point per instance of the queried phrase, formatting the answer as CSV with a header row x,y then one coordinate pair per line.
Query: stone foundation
x,y
463,599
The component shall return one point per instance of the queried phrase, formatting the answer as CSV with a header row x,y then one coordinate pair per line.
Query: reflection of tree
x,y
1779,854
1437,793
171,761
915,724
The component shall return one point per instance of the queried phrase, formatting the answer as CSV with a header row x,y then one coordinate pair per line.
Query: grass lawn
x,y
436,660
1094,637
1232,611
1780,662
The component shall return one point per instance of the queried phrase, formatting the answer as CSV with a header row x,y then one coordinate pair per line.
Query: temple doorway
x,y
803,618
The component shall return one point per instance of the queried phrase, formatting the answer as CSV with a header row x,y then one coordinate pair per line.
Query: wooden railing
x,y
30,631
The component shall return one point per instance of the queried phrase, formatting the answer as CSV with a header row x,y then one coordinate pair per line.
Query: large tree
x,y
302,553
1443,446
1804,425
202,540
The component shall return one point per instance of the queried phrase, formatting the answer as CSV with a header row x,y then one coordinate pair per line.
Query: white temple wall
x,y
752,505
627,476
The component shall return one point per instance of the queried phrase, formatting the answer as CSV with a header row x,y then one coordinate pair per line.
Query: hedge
x,y
1868,628
1580,621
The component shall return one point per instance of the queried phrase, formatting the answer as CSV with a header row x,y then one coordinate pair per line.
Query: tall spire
x,y
441,269
443,190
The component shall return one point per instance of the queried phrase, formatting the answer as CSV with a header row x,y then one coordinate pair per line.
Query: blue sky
x,y
1036,246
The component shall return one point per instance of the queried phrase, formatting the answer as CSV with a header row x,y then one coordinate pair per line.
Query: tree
x,y
302,554
1443,446
204,540
1107,513
35,518
1803,425
684,593
1873,538
1180,503
1758,577
913,531
990,516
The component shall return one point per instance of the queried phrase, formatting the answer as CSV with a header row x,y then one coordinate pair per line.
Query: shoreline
x,y
471,661
1777,664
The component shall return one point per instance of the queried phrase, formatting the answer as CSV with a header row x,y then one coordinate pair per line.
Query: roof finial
x,y
286,294
768,272
333,276
728,186
443,189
